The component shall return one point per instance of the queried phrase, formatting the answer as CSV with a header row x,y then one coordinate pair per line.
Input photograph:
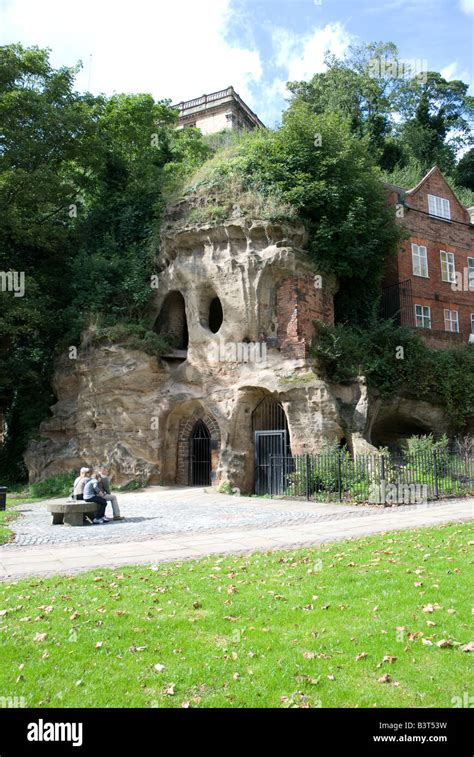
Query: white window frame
x,y
448,268
470,272
423,316
449,321
439,207
419,260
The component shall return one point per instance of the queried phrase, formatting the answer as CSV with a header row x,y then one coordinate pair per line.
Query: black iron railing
x,y
397,303
378,478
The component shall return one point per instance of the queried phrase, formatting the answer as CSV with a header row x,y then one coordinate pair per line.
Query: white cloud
x,y
452,72
302,55
174,49
467,6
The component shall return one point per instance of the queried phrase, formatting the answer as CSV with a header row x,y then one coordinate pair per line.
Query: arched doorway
x,y
272,446
200,455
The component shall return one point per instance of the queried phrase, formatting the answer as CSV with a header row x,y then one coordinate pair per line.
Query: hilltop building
x,y
223,110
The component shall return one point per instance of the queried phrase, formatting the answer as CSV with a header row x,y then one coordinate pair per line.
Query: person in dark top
x,y
92,494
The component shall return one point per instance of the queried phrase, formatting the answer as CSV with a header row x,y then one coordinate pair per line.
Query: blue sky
x,y
185,48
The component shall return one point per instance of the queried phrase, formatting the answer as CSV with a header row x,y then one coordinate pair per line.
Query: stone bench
x,y
71,513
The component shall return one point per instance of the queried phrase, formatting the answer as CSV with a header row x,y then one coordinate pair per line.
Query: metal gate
x,y
270,457
200,455
272,446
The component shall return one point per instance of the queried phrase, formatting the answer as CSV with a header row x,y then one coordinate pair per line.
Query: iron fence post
x,y
383,496
339,476
307,477
271,476
435,470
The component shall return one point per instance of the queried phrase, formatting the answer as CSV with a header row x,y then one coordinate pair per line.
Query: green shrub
x,y
426,445
132,335
132,486
444,377
59,485
226,488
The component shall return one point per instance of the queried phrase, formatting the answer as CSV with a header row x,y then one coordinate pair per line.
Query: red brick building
x,y
430,283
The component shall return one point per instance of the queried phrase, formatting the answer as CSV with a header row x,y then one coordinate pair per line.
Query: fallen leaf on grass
x,y
361,656
169,690
444,643
385,678
389,658
40,636
469,647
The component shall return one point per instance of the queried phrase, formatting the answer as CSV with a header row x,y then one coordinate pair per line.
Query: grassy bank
x,y
377,622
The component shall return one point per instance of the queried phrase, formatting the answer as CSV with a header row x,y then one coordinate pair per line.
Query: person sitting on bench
x,y
92,494
80,482
104,485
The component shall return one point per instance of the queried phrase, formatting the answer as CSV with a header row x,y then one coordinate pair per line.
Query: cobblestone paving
x,y
160,511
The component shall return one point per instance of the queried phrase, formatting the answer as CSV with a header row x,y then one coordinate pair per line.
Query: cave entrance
x,y
394,430
172,322
200,455
272,446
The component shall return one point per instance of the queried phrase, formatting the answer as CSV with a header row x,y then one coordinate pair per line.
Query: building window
x,y
472,323
420,260
451,320
448,272
438,206
470,271
423,316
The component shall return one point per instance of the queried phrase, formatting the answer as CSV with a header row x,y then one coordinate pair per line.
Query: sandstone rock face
x,y
239,300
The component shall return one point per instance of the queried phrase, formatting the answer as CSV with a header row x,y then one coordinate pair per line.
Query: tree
x,y
405,114
437,119
464,171
333,183
46,157
358,89
81,192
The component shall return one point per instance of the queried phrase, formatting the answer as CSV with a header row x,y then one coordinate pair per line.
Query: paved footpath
x,y
169,523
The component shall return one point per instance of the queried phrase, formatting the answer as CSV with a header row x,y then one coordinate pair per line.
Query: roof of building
x,y
215,100
403,191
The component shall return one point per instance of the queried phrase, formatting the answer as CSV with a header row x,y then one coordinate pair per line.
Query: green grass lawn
x,y
314,627
6,517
